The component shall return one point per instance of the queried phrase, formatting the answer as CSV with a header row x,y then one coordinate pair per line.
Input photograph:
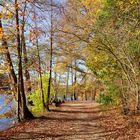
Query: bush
x,y
36,98
111,96
105,99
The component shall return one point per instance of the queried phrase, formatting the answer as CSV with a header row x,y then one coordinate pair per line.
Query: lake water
x,y
6,104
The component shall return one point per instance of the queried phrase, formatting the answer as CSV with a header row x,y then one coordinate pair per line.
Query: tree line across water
x,y
79,49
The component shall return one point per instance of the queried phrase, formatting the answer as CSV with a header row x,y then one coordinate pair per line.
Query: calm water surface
x,y
6,122
5,106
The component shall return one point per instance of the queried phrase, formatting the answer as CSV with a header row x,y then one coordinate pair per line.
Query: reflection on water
x,y
7,111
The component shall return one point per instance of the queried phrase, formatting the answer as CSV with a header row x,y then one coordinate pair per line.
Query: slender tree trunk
x,y
85,84
75,81
50,78
27,74
138,92
39,64
138,97
124,99
51,57
93,94
56,88
40,73
82,96
86,98
72,84
23,112
67,84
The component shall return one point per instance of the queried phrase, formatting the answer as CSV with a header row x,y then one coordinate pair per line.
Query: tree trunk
x,y
51,57
125,105
40,74
56,88
75,81
50,79
93,94
23,112
26,73
39,64
124,99
86,98
67,84
72,84
138,97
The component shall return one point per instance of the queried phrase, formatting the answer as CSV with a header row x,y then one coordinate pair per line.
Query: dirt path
x,y
71,121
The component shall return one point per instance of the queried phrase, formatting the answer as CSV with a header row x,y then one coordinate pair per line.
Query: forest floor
x,y
77,120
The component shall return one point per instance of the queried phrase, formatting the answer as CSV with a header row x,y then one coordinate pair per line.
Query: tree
x,y
51,59
23,112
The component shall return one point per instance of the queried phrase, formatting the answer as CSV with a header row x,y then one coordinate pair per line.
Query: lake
x,y
6,105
